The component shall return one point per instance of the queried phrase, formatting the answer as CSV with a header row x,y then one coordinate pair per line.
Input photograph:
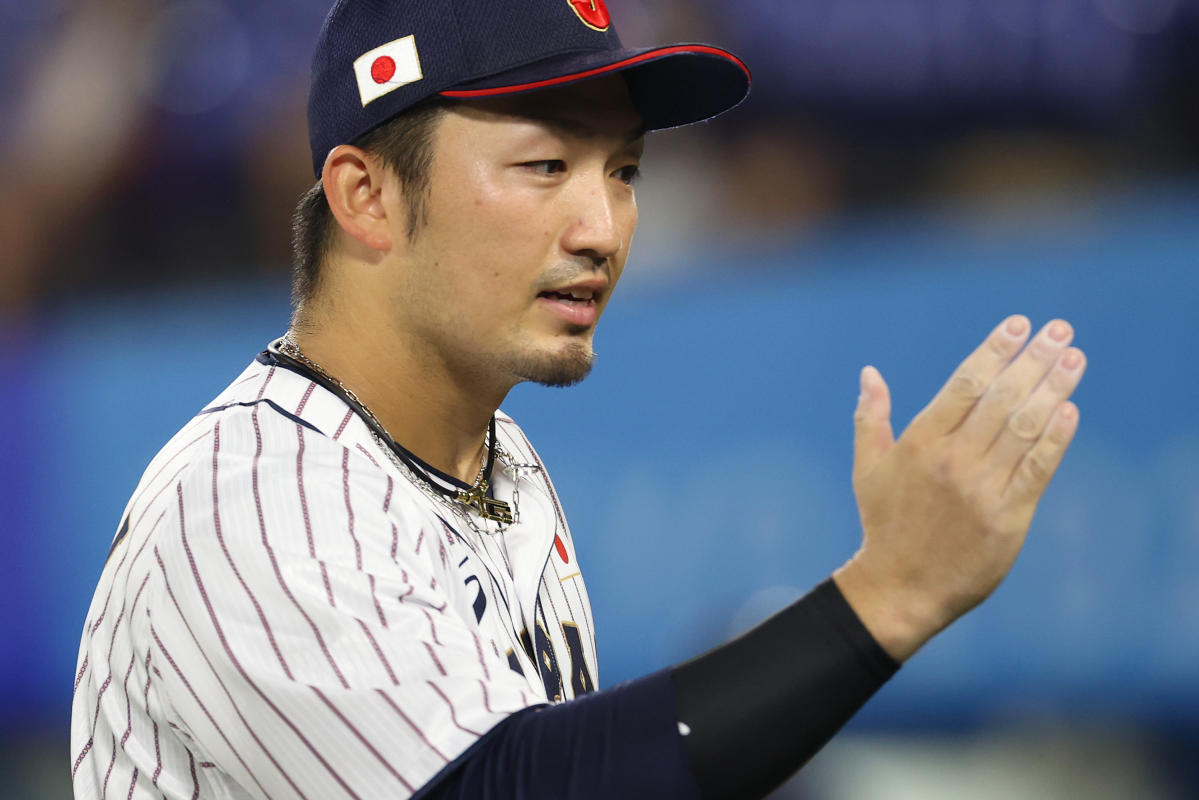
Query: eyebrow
x,y
582,130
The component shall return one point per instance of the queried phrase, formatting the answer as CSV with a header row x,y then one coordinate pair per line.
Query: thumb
x,y
872,422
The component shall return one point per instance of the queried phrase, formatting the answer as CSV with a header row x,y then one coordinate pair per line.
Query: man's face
x,y
529,219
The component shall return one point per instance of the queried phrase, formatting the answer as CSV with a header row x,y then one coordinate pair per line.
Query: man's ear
x,y
354,187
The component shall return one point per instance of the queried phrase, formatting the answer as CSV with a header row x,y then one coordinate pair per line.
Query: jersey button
x,y
557,698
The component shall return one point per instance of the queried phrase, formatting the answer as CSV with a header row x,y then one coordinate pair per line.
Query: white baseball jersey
x,y
285,613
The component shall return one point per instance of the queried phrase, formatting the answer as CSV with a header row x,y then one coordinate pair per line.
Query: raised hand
x,y
946,508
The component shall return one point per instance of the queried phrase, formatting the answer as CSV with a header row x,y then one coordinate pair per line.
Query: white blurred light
x,y
79,109
197,55
1139,16
1029,759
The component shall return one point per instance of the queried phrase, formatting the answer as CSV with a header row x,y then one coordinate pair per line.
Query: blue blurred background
x,y
906,173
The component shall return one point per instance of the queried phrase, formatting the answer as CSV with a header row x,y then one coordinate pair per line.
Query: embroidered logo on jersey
x,y
385,69
594,13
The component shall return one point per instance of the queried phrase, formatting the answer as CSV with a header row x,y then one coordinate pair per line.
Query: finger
x,y
1013,386
1027,424
972,377
872,422
1032,474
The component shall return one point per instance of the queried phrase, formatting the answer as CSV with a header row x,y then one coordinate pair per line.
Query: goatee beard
x,y
561,369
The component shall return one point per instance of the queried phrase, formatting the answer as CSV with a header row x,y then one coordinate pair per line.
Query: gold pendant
x,y
488,508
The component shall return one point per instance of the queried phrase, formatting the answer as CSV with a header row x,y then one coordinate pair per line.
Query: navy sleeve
x,y
619,743
753,711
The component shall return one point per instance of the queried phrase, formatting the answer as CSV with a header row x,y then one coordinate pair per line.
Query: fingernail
x,y
1069,411
1016,326
1072,359
1059,331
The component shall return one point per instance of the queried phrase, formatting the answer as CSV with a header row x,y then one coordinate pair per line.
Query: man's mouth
x,y
574,297
577,303
581,291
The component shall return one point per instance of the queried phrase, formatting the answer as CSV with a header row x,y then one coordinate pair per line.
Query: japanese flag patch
x,y
385,69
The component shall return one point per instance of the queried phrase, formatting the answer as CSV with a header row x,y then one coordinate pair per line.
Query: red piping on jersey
x,y
628,62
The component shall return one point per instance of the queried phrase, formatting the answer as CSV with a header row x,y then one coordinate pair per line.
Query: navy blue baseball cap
x,y
376,58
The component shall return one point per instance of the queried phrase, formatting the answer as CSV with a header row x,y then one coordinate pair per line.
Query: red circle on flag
x,y
384,69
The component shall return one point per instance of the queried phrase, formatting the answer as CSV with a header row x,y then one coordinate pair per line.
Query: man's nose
x,y
596,227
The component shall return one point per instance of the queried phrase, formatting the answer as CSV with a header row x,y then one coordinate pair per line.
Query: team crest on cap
x,y
383,70
594,13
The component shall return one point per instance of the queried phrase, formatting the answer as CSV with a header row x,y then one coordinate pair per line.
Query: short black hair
x,y
405,145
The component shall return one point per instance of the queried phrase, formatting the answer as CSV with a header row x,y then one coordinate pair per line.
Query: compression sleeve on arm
x,y
757,708
619,743
760,706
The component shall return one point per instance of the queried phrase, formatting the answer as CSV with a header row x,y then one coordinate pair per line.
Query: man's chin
x,y
566,367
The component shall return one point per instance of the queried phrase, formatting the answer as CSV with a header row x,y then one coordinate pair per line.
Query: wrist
x,y
900,619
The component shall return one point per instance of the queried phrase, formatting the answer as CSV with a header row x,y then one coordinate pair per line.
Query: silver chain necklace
x,y
460,501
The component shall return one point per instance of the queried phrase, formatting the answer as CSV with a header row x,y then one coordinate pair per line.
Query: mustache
x,y
565,273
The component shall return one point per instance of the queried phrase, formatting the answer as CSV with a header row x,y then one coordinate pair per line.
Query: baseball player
x,y
350,575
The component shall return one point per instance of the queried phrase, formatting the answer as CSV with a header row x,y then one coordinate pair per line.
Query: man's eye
x,y
629,174
552,167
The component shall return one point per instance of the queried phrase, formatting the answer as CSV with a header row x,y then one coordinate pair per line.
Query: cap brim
x,y
670,86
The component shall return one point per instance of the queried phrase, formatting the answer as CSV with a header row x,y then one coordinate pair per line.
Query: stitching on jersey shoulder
x,y
270,403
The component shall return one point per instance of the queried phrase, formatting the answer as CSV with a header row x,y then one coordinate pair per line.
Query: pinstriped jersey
x,y
286,613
